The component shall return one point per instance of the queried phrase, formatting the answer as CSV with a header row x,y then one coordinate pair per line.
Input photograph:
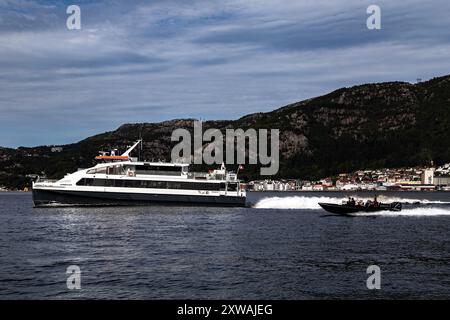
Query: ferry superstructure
x,y
123,180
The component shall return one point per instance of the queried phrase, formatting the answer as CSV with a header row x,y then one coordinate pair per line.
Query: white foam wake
x,y
304,202
416,212
294,202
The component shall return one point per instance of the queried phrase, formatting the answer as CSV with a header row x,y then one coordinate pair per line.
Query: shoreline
x,y
297,191
348,191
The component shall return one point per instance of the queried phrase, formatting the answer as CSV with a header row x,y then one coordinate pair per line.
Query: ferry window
x,y
212,186
232,187
175,185
148,169
85,182
130,184
97,170
155,184
201,186
161,184
118,183
135,183
99,182
115,170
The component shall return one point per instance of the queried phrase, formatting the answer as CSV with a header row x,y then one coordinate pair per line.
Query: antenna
x,y
127,153
141,145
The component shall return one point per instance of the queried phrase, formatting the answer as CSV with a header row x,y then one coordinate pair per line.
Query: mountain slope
x,y
368,126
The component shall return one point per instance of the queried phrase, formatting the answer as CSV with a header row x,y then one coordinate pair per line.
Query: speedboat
x,y
349,209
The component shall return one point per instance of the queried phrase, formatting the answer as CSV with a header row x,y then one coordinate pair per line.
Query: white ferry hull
x,y
122,180
48,198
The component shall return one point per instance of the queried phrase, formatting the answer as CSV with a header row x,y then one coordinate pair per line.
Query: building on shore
x,y
440,181
56,149
414,179
427,176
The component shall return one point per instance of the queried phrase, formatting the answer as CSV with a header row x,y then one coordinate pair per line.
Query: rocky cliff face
x,y
368,126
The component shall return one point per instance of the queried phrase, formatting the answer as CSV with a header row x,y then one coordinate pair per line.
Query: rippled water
x,y
285,248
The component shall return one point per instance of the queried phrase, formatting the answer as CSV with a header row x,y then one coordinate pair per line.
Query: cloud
x,y
151,61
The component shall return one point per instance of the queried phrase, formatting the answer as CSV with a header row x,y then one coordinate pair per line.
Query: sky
x,y
150,61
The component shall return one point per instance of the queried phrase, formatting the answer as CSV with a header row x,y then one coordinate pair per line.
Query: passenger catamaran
x,y
124,180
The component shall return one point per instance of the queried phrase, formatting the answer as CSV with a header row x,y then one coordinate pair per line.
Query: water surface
x,y
285,247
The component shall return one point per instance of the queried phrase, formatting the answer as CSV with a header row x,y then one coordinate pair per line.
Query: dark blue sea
x,y
284,247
